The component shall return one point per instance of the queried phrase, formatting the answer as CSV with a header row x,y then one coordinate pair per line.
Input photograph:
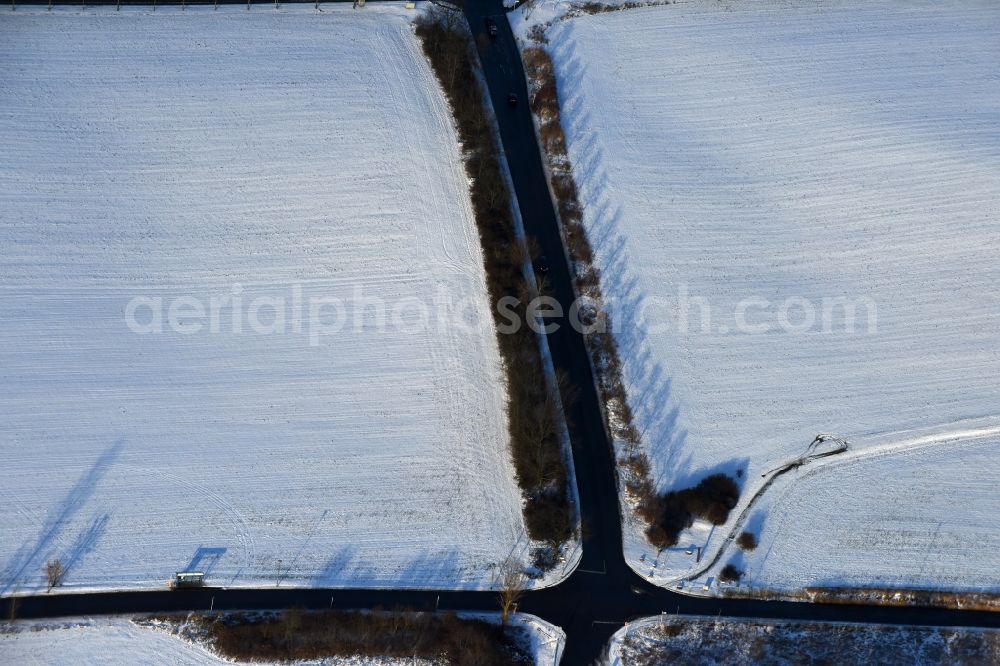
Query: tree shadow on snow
x,y
31,557
85,542
346,568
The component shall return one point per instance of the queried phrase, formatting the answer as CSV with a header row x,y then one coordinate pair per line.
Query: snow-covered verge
x,y
287,155
545,642
744,165
672,640
542,640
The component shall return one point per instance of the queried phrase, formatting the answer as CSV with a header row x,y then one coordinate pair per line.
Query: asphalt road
x,y
603,592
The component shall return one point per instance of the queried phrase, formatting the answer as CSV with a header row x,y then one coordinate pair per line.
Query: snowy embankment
x,y
753,175
671,640
219,160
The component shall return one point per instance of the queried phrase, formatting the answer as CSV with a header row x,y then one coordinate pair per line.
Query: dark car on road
x,y
491,26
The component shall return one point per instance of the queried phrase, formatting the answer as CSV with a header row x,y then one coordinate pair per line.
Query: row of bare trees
x,y
533,419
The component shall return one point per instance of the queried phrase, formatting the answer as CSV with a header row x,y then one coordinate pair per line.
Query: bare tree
x,y
54,572
511,580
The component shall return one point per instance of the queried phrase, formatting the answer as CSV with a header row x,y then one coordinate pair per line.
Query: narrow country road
x,y
603,593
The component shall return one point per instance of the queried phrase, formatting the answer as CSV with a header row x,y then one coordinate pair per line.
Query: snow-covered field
x,y
238,155
96,642
745,165
673,640
118,640
923,514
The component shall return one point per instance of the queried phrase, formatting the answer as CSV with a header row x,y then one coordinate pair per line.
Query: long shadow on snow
x,y
427,570
74,500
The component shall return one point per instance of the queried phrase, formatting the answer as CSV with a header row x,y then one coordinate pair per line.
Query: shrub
x,y
563,185
545,95
712,499
544,558
675,514
547,517
730,574
659,538
747,541
55,571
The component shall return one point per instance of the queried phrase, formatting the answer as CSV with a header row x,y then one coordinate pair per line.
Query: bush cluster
x,y
533,420
747,541
297,634
672,512
730,574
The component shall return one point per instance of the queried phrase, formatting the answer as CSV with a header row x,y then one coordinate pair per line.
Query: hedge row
x,y
533,420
